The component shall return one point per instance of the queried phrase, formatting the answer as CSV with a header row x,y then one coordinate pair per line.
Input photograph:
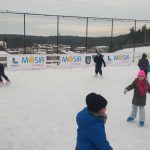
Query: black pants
x,y
146,72
2,74
98,69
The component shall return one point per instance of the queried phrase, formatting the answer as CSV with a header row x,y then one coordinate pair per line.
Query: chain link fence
x,y
28,33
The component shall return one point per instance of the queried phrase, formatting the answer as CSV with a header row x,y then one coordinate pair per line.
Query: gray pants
x,y
141,112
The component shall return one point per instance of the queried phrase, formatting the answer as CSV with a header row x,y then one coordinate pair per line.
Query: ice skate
x,y
96,75
1,84
141,123
129,119
101,76
7,82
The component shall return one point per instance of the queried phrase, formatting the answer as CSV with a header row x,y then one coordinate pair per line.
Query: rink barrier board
x,y
3,60
40,61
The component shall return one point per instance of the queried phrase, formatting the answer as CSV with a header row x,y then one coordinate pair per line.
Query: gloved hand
x,y
125,91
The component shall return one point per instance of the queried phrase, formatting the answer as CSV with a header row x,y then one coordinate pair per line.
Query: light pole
x,y
145,39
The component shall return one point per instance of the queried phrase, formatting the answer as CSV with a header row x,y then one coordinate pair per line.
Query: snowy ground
x,y
38,110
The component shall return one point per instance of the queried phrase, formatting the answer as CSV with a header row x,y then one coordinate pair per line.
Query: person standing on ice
x,y
144,63
98,64
2,74
141,86
91,124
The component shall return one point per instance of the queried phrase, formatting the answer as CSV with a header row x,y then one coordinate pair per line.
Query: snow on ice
x,y
39,107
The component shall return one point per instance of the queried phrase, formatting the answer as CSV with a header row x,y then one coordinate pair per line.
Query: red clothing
x,y
142,86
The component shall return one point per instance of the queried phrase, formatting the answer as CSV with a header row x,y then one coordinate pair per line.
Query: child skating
x,y
91,129
98,64
2,74
141,87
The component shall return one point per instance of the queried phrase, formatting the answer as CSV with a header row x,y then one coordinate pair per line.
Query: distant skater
x,y
144,63
98,64
141,87
2,74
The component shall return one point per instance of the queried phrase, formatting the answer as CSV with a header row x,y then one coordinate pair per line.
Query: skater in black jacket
x,y
2,74
144,63
98,64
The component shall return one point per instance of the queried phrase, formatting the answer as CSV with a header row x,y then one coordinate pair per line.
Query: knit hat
x,y
144,55
141,73
95,102
98,53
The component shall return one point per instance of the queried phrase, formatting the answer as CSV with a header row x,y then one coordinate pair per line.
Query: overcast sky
x,y
126,9
42,25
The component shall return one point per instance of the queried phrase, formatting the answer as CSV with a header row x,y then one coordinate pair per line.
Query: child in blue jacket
x,y
91,129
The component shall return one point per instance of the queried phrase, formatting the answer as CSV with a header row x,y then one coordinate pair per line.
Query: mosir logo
x,y
71,59
32,59
121,57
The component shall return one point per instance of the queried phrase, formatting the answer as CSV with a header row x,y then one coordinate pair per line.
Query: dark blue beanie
x,y
95,102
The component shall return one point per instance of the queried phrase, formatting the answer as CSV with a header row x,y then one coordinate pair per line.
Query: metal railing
x,y
23,30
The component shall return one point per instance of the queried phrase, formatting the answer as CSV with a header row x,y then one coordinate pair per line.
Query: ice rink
x,y
39,107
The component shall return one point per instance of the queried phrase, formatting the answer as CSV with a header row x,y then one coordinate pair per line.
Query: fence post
x,y
24,37
134,42
57,33
111,38
57,37
86,38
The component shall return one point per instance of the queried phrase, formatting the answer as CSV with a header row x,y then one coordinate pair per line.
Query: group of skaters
x,y
91,120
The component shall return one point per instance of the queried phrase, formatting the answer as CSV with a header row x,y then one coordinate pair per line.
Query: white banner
x,y
26,61
118,58
39,61
77,59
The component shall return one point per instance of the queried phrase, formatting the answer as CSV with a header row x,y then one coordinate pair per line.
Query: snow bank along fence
x,y
38,61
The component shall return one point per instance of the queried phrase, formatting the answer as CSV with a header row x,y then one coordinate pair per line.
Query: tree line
x,y
139,38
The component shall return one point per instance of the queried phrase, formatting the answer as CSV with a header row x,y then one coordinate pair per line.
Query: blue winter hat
x,y
95,102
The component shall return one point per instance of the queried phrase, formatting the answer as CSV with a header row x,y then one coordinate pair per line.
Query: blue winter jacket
x,y
91,132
